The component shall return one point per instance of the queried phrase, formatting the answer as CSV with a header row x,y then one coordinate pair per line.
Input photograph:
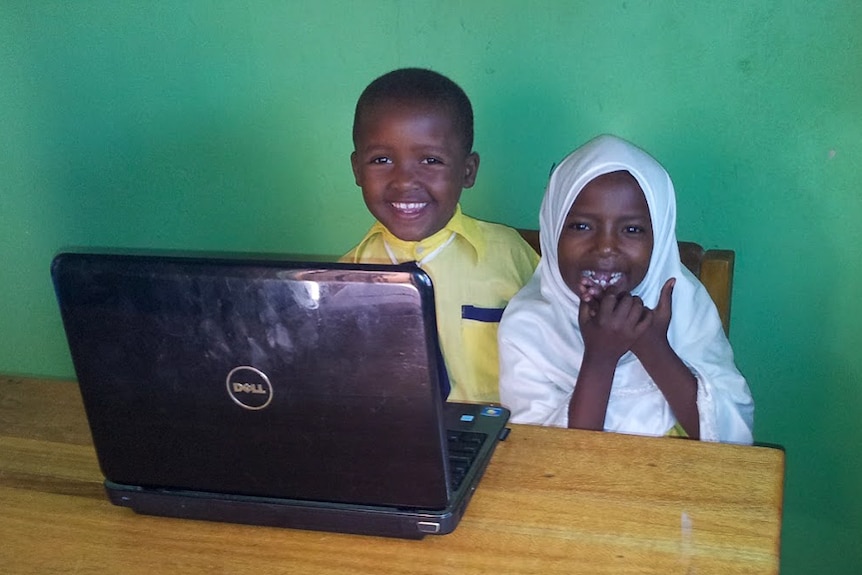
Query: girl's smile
x,y
602,279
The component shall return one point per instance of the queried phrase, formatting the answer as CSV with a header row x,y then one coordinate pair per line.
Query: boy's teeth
x,y
409,206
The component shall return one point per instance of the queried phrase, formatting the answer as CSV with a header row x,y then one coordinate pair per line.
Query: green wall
x,y
226,126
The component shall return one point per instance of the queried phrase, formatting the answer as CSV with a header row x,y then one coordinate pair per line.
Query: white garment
x,y
541,346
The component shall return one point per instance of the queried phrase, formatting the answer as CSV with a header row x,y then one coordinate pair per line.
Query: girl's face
x,y
607,238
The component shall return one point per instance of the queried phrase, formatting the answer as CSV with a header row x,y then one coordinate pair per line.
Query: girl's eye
x,y
634,230
577,226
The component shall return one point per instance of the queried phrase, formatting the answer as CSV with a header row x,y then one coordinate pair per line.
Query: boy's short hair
x,y
419,85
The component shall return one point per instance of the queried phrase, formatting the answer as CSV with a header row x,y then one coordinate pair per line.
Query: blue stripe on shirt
x,y
486,314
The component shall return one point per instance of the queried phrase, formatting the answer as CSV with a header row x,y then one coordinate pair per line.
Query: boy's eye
x,y
431,161
381,160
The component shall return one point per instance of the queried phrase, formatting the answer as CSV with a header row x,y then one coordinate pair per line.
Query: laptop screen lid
x,y
313,382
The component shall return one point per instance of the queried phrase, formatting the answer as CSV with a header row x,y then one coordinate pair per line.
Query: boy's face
x,y
411,164
607,237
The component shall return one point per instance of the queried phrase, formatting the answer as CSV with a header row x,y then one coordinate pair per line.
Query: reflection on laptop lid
x,y
280,393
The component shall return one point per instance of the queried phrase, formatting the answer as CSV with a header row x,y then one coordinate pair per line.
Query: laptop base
x,y
294,514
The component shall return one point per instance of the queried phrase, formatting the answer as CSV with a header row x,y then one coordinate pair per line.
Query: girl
x,y
613,332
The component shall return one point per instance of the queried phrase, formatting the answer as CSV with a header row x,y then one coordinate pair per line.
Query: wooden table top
x,y
552,501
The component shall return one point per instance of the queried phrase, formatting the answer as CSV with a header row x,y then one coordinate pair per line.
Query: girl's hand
x,y
656,333
588,290
612,325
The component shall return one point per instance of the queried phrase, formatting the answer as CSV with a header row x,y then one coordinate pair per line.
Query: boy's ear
x,y
471,166
355,168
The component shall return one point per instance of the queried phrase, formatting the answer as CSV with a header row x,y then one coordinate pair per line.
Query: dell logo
x,y
249,387
239,387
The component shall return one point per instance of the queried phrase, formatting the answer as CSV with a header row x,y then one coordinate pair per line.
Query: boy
x,y
413,139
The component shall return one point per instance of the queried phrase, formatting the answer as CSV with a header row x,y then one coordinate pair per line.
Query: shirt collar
x,y
459,224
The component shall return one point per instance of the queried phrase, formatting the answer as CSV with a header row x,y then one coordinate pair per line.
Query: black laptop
x,y
281,393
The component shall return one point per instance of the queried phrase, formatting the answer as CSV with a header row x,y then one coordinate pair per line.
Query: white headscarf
x,y
541,347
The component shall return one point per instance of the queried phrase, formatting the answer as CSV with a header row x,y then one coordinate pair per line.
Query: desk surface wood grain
x,y
552,501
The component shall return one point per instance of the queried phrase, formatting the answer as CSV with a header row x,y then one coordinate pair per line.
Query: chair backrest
x,y
714,269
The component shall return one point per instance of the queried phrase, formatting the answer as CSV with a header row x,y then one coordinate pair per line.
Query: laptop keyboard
x,y
463,448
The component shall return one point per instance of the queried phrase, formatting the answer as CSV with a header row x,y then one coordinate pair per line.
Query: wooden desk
x,y
552,501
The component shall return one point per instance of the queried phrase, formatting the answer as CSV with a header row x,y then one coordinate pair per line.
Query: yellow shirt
x,y
475,267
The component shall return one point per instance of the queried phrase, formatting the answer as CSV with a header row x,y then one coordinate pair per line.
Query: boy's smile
x,y
607,238
411,165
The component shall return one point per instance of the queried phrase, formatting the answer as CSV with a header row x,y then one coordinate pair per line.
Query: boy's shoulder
x,y
502,247
496,234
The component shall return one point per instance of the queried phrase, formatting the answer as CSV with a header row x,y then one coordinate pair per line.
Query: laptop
x,y
282,393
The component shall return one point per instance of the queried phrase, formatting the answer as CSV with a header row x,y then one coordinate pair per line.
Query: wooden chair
x,y
714,269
